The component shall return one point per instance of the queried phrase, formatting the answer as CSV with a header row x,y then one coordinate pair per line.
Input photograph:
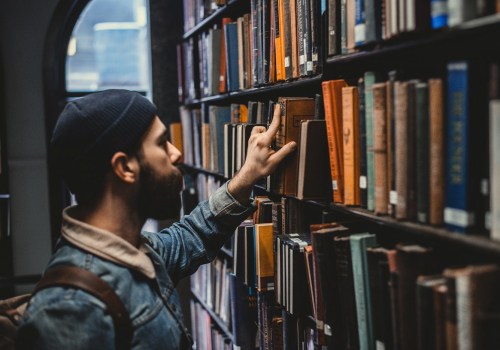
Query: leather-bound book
x,y
436,152
293,110
379,275
401,119
347,326
426,313
380,148
411,262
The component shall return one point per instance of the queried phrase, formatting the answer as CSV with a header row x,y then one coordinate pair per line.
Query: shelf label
x,y
380,345
302,59
393,197
287,61
334,185
458,217
309,66
328,329
362,182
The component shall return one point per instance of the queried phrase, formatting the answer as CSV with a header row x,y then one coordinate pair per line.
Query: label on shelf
x,y
309,65
380,345
458,217
393,197
328,329
287,61
302,59
362,182
334,185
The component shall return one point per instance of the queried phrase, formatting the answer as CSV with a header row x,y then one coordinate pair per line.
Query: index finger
x,y
275,124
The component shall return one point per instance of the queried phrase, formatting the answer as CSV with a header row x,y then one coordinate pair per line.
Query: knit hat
x,y
98,125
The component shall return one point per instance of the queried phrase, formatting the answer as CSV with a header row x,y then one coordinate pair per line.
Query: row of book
x,y
197,10
211,283
206,335
355,23
280,39
396,146
362,290
276,41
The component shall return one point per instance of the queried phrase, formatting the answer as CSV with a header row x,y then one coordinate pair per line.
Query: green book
x,y
359,244
370,173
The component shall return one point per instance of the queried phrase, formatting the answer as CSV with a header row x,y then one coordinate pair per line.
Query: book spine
x,y
422,173
401,105
351,146
412,150
436,154
332,27
255,41
343,25
439,13
300,37
362,144
360,22
457,213
279,39
359,243
495,168
369,82
294,38
266,40
380,148
391,140
287,38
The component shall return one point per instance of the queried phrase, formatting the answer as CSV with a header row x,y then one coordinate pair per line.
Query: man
x,y
113,153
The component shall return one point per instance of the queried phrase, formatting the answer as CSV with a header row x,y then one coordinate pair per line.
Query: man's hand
x,y
261,159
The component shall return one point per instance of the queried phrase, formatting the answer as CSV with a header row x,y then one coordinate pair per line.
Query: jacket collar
x,y
106,244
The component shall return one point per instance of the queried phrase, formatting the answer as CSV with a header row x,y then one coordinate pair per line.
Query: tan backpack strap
x,y
76,277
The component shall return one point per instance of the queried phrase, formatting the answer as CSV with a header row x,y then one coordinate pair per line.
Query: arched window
x,y
110,48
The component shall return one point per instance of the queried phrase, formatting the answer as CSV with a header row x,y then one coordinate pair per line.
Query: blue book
x,y
360,26
458,213
231,35
359,243
439,13
218,116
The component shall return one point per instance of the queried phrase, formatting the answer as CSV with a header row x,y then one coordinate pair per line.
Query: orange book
x,y
243,114
223,73
264,256
279,47
176,135
350,118
332,99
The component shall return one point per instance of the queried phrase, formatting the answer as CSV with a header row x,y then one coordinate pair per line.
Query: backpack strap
x,y
76,277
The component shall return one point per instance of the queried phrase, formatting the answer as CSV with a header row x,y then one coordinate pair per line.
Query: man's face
x,y
160,182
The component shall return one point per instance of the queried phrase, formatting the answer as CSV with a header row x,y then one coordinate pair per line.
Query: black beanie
x,y
98,125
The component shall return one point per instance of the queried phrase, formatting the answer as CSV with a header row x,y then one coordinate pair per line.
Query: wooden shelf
x,y
276,89
414,42
217,320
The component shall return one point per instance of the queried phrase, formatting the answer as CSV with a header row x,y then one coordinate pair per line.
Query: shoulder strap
x,y
75,277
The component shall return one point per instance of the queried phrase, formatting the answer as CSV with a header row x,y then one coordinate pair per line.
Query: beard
x,y
159,196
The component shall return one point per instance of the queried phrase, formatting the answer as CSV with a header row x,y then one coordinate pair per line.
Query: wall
x,y
23,26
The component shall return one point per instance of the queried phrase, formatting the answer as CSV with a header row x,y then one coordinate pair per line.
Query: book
x,y
332,98
293,110
422,142
369,79
460,180
426,311
175,132
232,56
313,161
436,151
379,279
264,256
362,144
381,186
401,146
350,124
359,244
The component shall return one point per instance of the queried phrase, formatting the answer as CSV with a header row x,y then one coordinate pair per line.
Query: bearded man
x,y
112,151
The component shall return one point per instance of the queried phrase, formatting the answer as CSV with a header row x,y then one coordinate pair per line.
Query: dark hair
x,y
87,178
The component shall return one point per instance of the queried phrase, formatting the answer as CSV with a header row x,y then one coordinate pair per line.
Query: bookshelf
x,y
417,54
220,324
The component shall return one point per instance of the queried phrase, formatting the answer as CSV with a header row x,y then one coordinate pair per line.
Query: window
x,y
110,48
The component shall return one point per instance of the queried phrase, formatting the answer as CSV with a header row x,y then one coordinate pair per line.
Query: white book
x,y
495,168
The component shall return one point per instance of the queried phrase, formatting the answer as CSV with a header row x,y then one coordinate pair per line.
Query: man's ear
x,y
125,167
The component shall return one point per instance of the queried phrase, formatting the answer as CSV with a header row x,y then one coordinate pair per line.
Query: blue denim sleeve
x,y
66,324
197,237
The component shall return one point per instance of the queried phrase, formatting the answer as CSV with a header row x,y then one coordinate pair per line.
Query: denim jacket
x,y
144,279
